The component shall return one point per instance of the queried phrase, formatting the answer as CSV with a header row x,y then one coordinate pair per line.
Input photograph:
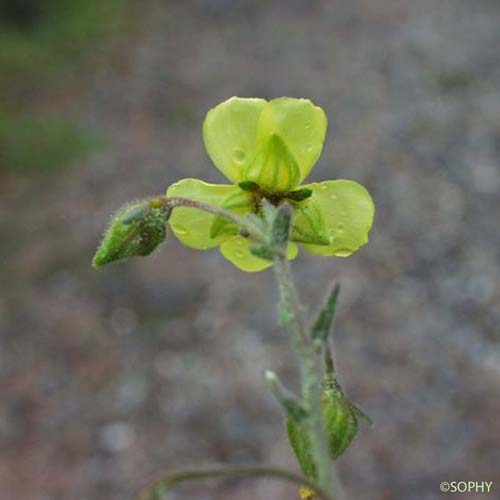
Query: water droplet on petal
x,y
343,252
307,126
181,230
239,155
309,148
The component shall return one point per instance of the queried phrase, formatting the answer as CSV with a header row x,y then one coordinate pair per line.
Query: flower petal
x,y
230,135
348,212
236,250
300,124
193,226
273,143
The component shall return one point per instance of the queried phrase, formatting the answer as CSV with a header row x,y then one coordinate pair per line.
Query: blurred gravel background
x,y
109,379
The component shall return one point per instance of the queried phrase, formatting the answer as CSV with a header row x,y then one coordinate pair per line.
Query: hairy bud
x,y
136,230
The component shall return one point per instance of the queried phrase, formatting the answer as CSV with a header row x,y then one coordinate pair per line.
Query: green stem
x,y
310,370
177,478
307,349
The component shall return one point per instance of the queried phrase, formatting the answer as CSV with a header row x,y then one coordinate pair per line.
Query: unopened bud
x,y
135,230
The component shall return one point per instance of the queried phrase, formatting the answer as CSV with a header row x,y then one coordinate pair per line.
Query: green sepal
x,y
136,230
322,326
261,251
249,186
299,194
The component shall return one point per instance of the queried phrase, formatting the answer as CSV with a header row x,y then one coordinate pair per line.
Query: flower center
x,y
275,198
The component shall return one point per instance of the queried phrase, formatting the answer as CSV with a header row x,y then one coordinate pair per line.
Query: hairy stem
x,y
310,371
187,475
200,205
245,226
307,348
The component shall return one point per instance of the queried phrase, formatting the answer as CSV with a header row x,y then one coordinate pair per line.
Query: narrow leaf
x,y
287,400
323,323
301,445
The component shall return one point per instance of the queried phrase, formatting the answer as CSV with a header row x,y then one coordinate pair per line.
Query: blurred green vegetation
x,y
43,44
41,143
452,80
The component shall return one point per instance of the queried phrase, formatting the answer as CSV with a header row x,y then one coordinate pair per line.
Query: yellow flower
x,y
267,149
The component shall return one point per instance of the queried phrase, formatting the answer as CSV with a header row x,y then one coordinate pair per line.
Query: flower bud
x,y
135,230
340,421
341,426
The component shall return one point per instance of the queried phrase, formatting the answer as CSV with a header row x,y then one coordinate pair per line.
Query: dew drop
x,y
343,252
240,243
180,229
309,148
340,226
239,155
333,196
324,187
307,126
238,254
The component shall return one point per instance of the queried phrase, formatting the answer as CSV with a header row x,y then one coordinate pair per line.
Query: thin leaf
x,y
323,323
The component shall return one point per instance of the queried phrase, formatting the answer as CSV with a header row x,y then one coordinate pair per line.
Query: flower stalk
x,y
309,355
